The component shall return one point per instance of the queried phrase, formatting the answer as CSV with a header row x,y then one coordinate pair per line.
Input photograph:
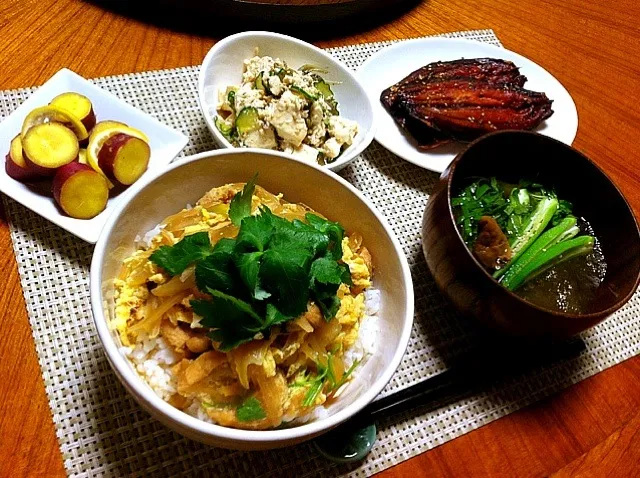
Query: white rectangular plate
x,y
166,143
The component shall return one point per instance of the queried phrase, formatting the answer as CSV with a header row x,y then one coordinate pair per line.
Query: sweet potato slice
x,y
48,146
124,158
80,191
92,161
78,105
100,135
53,114
15,165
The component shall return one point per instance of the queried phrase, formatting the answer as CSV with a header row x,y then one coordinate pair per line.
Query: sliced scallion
x,y
567,229
535,224
550,257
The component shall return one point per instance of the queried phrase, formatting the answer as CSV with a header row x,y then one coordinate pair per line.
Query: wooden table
x,y
591,47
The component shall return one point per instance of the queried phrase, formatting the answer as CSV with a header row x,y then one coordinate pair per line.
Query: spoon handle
x,y
470,375
352,441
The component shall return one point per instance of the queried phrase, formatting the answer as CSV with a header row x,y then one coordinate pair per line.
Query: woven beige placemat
x,y
103,432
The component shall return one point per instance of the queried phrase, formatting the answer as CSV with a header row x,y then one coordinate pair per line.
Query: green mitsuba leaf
x,y
240,206
255,233
333,230
175,259
326,277
274,316
216,271
229,317
285,273
312,393
265,276
250,410
249,267
303,236
326,298
327,271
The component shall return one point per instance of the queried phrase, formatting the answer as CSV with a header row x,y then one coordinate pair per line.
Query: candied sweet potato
x,y
80,192
48,146
124,158
15,165
78,105
53,114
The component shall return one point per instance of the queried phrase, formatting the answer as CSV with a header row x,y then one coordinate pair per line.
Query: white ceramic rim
x,y
343,160
147,397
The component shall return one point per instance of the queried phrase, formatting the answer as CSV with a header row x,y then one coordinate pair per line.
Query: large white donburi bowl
x,y
149,201
223,66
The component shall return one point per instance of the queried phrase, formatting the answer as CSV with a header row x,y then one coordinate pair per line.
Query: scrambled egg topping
x,y
360,270
129,300
279,370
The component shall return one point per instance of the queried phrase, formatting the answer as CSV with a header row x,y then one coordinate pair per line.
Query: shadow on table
x,y
219,18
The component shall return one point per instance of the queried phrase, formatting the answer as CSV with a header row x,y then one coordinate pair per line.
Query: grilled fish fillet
x,y
464,99
497,71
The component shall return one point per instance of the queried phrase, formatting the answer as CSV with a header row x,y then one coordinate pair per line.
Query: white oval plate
x,y
393,63
166,143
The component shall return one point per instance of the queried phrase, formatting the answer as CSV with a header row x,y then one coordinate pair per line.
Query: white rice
x,y
145,241
153,359
197,410
365,345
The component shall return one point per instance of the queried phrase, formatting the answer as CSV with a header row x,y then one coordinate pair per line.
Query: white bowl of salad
x,y
271,91
248,310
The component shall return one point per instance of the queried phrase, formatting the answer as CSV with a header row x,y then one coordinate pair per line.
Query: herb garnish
x,y
240,206
177,258
250,410
511,206
325,374
263,277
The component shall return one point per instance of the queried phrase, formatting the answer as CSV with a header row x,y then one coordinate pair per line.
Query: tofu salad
x,y
281,108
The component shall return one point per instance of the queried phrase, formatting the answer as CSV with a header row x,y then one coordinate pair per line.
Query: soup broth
x,y
569,286
531,242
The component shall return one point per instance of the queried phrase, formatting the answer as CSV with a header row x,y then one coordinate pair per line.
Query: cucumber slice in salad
x,y
227,130
324,89
247,120
304,93
260,83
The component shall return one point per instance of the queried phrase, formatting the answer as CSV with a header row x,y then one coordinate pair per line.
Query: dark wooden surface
x,y
591,47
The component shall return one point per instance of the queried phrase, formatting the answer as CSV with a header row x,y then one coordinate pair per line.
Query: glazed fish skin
x,y
490,69
463,92
462,100
467,109
467,124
